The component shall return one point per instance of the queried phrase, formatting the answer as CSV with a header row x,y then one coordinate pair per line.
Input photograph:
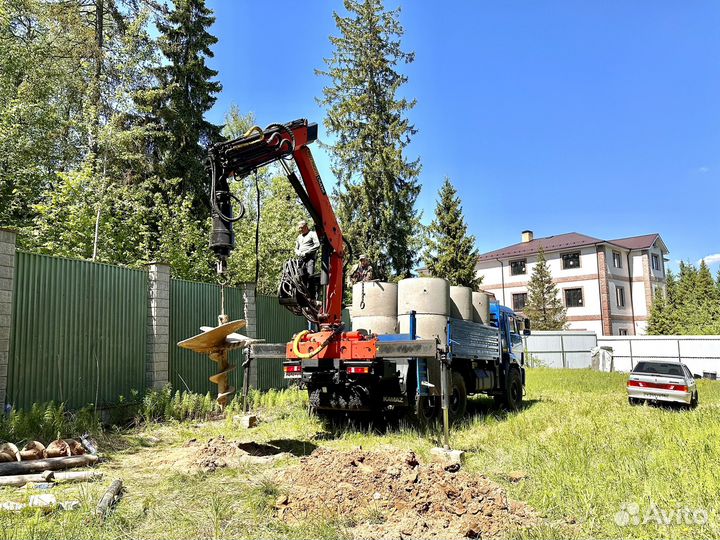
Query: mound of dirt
x,y
389,494
218,453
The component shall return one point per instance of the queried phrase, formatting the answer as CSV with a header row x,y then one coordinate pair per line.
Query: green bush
x,y
158,405
48,421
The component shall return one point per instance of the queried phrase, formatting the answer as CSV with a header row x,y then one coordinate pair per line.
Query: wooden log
x,y
49,476
76,476
111,496
49,464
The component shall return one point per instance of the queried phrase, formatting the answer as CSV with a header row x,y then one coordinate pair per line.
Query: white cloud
x,y
703,170
711,259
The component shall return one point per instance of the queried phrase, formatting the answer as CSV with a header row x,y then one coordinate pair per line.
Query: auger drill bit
x,y
217,342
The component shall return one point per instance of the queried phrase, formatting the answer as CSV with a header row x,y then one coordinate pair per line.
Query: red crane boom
x,y
282,143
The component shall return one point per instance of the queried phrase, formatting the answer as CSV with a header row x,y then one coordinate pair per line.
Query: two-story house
x,y
607,286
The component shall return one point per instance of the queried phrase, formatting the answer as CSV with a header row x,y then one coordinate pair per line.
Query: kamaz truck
x,y
354,371
405,373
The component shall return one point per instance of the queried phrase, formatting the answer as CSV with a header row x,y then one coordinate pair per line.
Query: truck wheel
x,y
458,397
426,410
513,390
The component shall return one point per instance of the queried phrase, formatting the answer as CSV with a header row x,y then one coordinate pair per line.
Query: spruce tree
x,y
543,306
660,321
663,319
706,287
451,252
184,92
377,185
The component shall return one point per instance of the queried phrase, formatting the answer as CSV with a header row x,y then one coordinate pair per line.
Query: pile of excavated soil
x,y
388,494
218,453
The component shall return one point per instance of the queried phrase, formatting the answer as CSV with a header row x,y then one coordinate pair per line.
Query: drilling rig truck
x,y
352,371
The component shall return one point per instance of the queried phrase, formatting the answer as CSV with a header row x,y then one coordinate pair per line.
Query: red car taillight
x,y
660,386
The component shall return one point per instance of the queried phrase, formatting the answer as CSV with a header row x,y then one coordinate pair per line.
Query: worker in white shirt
x,y
306,247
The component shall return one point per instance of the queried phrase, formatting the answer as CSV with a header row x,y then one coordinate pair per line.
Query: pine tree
x,y
451,252
377,184
184,92
543,306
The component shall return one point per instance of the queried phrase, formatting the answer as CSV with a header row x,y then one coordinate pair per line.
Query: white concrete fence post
x,y
7,279
158,332
249,291
250,304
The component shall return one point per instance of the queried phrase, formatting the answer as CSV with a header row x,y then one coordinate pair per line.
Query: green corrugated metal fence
x,y
193,305
79,332
275,324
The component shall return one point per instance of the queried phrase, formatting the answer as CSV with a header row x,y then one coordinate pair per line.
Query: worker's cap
x,y
302,224
363,257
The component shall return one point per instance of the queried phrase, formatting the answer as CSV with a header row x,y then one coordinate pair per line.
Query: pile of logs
x,y
39,463
37,450
36,462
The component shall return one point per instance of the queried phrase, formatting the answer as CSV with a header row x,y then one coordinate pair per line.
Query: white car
x,y
662,381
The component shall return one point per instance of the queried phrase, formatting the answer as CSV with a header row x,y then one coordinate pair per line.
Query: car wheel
x,y
694,401
634,401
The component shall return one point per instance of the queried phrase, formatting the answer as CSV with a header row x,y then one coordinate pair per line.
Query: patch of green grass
x,y
584,451
587,453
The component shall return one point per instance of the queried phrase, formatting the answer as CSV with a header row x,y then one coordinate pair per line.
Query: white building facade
x,y
607,286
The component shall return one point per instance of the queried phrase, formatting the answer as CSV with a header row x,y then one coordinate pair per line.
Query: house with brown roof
x,y
607,286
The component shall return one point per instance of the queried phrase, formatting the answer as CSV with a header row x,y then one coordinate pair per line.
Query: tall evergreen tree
x,y
663,318
544,307
451,252
661,321
184,92
377,184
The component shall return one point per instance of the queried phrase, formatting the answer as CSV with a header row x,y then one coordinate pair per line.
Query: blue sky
x,y
596,117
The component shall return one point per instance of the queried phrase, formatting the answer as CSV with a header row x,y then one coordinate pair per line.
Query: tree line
x,y
103,137
690,304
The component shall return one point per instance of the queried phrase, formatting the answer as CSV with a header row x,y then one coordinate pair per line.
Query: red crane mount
x,y
286,143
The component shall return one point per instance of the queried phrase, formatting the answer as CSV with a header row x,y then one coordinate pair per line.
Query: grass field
x,y
584,453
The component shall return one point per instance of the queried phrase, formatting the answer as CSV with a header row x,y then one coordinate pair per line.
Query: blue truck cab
x,y
512,328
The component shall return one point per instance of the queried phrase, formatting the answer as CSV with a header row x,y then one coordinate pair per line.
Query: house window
x,y
573,298
622,331
571,260
517,268
617,260
620,296
655,262
519,301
